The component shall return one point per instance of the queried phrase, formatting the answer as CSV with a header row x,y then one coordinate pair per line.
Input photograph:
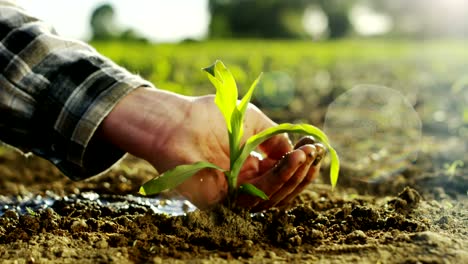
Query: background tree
x,y
337,12
104,26
103,23
274,18
256,18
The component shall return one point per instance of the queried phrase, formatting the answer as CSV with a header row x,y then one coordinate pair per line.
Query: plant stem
x,y
232,190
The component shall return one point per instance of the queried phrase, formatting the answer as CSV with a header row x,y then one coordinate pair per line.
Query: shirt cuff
x,y
86,154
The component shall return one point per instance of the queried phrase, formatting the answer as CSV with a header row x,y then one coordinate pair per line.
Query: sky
x,y
159,20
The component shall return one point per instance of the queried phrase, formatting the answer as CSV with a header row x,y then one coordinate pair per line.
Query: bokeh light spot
x,y
375,129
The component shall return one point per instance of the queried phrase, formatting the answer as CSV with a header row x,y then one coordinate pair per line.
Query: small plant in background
x,y
234,112
465,115
30,211
451,169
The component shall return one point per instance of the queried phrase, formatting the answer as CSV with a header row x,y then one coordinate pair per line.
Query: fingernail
x,y
320,153
304,141
317,160
312,154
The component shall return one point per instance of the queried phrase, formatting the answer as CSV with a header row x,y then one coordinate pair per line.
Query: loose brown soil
x,y
417,216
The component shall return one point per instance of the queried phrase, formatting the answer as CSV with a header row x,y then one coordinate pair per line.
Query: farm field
x,y
396,111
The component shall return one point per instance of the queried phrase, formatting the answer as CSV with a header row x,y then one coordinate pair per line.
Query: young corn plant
x,y
234,112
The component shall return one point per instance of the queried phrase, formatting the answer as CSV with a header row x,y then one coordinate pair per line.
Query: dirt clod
x,y
407,200
356,236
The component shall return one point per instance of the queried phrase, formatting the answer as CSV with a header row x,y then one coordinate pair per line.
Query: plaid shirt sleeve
x,y
54,93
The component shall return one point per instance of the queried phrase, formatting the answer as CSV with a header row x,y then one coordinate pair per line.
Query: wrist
x,y
142,119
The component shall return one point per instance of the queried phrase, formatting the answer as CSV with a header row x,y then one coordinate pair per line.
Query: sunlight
x,y
368,22
315,22
453,5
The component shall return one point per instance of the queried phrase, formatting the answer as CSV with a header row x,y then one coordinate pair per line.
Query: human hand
x,y
169,130
281,179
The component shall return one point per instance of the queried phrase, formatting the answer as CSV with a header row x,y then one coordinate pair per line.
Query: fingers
x,y
297,179
312,174
302,177
288,178
271,181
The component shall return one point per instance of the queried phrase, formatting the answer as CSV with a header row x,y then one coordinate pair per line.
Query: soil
x,y
418,216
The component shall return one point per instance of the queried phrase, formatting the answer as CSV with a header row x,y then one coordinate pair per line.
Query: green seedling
x,y
30,211
465,115
451,169
234,112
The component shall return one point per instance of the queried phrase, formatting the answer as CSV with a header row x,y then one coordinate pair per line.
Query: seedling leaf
x,y
235,136
237,121
226,90
30,211
252,190
245,101
173,177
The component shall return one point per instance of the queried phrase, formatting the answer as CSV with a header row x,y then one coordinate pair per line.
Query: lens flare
x,y
375,129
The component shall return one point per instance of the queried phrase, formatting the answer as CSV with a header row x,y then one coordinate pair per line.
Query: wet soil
x,y
417,216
